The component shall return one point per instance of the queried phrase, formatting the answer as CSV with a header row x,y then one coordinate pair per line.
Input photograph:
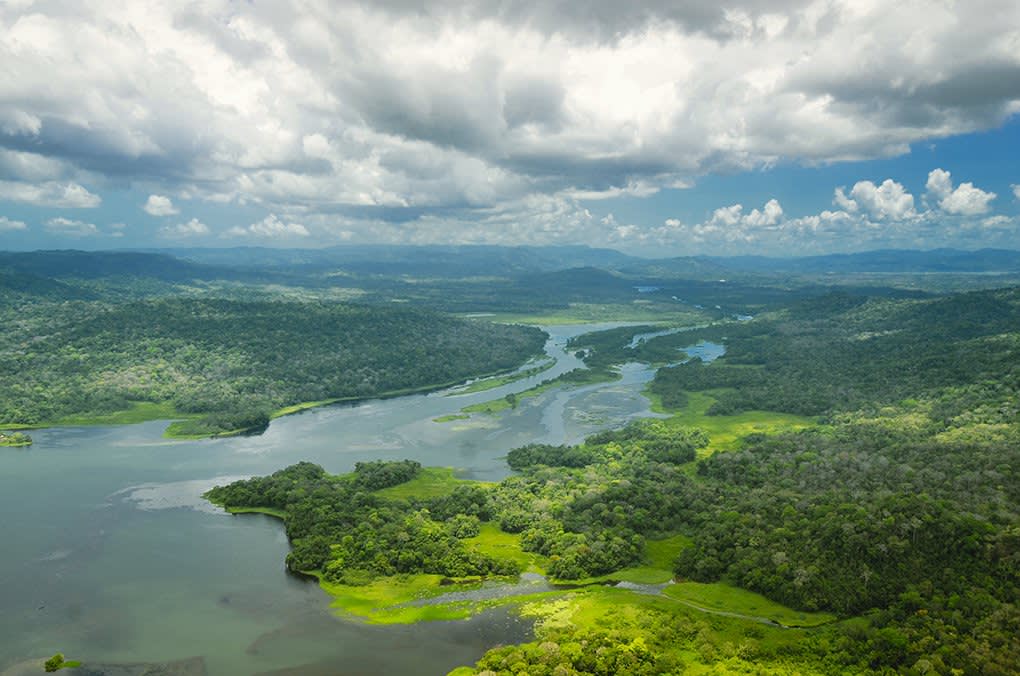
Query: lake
x,y
111,555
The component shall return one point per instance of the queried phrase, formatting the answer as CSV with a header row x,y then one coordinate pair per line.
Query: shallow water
x,y
110,554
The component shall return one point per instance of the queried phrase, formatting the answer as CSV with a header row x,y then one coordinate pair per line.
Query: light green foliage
x,y
726,431
724,598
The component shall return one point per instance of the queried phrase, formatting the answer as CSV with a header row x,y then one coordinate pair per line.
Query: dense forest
x,y
893,512
899,513
233,363
841,352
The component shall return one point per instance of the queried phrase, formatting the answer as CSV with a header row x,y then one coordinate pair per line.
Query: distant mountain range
x,y
880,261
324,266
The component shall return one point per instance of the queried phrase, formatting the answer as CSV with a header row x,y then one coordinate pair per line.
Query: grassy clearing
x,y
431,482
725,431
721,597
507,546
140,411
657,568
388,600
383,601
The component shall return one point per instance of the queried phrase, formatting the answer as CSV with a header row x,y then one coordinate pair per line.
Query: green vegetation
x,y
611,631
843,353
725,432
499,381
15,439
57,662
451,417
867,502
574,377
222,365
724,598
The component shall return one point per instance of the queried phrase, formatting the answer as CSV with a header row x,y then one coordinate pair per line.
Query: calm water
x,y
111,555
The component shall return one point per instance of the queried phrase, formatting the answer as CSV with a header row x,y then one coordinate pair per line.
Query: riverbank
x,y
177,429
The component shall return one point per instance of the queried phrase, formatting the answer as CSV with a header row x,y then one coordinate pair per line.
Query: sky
x,y
777,127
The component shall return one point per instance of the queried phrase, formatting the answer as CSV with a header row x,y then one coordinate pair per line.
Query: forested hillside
x,y
233,363
891,526
841,352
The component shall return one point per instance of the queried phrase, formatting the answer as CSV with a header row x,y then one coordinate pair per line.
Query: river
x,y
111,555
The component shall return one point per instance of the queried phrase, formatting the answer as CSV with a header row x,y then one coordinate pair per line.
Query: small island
x,y
15,439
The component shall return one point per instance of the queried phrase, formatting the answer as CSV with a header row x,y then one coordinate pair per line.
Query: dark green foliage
x,y
588,507
234,362
554,456
839,353
372,476
338,526
466,499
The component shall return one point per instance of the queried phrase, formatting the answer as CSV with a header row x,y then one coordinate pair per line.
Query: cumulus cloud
x,y
271,226
866,216
158,205
71,228
888,201
964,200
388,110
192,228
49,194
8,224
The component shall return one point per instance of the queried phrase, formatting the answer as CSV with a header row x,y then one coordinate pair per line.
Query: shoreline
x,y
162,411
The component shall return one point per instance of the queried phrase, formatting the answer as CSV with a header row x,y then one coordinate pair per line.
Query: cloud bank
x,y
483,121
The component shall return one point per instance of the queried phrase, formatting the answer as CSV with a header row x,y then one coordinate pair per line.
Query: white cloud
x,y
49,194
271,226
70,227
8,224
888,201
964,200
471,109
158,205
192,228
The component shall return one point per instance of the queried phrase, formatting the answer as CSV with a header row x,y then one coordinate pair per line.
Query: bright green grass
x,y
725,431
431,482
721,597
494,542
270,511
386,600
382,601
451,417
140,411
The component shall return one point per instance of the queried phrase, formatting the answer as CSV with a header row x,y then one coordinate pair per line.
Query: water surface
x,y
110,554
